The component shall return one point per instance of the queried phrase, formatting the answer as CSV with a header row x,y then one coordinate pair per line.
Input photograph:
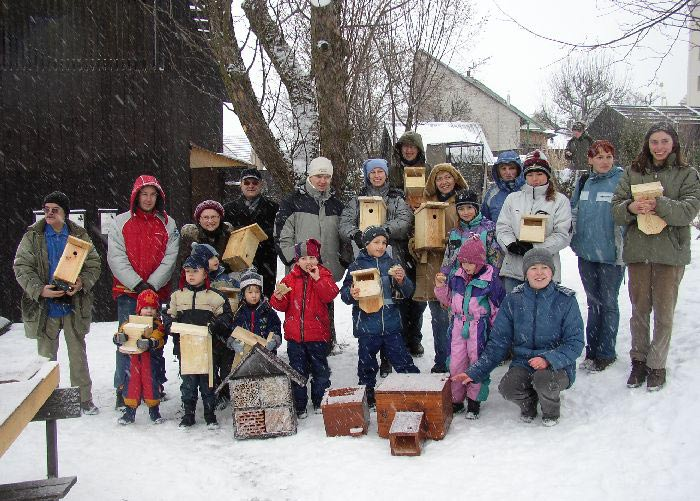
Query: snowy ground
x,y
611,442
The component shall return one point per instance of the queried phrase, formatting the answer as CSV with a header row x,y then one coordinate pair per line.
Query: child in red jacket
x,y
306,322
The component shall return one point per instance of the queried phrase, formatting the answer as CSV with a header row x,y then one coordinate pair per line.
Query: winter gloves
x,y
146,344
274,343
119,338
357,238
519,247
142,286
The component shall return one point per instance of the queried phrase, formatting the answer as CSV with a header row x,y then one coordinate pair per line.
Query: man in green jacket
x,y
47,309
577,148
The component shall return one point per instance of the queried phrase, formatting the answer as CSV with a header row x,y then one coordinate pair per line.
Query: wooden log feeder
x,y
430,226
650,224
345,411
533,228
195,350
242,246
407,433
71,261
414,184
427,393
369,282
134,332
372,212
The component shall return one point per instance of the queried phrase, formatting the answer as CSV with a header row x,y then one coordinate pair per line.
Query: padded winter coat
x,y
388,319
31,267
305,307
478,226
143,246
579,150
531,200
678,206
200,306
261,320
496,194
309,213
543,323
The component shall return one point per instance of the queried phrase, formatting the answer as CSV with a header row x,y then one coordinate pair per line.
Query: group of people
x,y
492,294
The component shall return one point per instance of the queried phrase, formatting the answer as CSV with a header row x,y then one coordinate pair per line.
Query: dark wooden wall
x,y
92,94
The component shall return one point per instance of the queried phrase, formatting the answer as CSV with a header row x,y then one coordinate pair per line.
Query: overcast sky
x,y
519,63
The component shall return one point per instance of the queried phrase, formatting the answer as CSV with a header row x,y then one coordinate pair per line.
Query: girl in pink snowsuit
x,y
473,292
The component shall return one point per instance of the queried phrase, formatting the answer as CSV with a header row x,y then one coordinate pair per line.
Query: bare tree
x,y
581,87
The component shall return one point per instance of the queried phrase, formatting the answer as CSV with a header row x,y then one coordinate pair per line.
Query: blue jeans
x,y
126,305
309,358
440,320
392,346
602,285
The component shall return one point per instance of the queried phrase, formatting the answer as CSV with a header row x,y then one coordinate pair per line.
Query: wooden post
x,y
51,449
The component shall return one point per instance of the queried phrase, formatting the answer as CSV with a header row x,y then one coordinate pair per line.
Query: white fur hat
x,y
320,166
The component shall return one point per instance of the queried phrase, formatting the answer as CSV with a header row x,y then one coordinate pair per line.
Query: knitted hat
x,y
208,204
251,277
372,232
59,198
538,256
536,161
205,250
145,299
320,166
311,247
196,261
251,173
467,197
374,163
472,251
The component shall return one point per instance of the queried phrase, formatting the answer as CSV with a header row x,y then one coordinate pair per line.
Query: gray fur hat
x,y
538,256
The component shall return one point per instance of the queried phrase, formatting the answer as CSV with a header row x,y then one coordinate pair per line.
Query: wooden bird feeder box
x,y
369,282
372,212
532,227
407,433
430,226
134,332
195,350
430,394
650,224
345,411
242,245
414,180
249,339
71,262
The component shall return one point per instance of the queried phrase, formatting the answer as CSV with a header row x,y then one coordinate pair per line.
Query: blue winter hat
x,y
373,163
205,250
196,261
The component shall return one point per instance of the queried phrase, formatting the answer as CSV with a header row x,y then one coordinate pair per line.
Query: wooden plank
x,y
51,488
19,402
189,329
63,403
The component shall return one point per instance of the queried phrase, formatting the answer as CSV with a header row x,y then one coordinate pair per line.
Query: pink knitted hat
x,y
472,251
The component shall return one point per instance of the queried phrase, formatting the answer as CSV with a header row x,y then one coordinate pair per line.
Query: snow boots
x,y
656,379
188,417
473,408
128,417
210,416
119,404
638,374
154,414
385,367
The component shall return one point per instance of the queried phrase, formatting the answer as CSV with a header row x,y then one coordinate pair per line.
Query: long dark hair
x,y
645,159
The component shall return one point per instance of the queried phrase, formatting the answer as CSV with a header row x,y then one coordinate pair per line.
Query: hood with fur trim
x,y
430,188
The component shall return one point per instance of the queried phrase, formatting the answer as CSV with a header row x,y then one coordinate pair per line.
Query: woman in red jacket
x,y
307,290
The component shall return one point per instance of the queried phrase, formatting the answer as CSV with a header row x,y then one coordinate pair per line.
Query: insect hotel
x,y
195,350
345,411
411,407
413,185
430,226
533,228
261,396
242,246
369,282
136,328
71,262
372,212
650,224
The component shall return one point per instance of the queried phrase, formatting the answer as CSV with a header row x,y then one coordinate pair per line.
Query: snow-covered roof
x,y
452,132
676,114
237,146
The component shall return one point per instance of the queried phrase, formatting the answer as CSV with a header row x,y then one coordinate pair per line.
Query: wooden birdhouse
x,y
261,396
372,212
249,339
231,293
427,393
242,245
430,226
650,224
369,282
407,433
195,350
414,184
134,331
533,227
71,262
345,411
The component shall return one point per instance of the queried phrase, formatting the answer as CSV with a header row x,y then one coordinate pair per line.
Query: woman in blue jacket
x,y
597,242
541,322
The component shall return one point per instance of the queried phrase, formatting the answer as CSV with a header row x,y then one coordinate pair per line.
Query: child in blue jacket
x,y
254,312
381,329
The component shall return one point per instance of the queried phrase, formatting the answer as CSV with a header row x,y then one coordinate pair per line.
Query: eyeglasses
x,y
51,210
248,182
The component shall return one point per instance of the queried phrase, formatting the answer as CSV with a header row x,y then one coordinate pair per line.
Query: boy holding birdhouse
x,y
377,319
196,303
303,295
142,379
